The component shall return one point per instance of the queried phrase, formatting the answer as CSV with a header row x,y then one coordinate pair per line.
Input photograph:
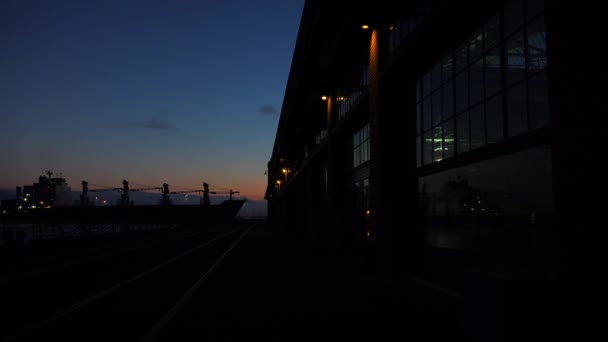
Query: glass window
x,y
436,76
437,143
426,114
537,45
513,191
418,151
514,16
493,72
461,58
447,72
462,132
491,33
475,46
448,138
534,7
361,153
447,92
462,92
478,127
418,118
516,62
426,84
517,116
538,101
476,82
436,107
427,152
494,119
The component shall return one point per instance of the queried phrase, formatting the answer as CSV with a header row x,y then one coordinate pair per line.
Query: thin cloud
x,y
269,110
155,123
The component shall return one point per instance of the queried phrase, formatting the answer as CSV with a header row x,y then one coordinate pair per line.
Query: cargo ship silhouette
x,y
49,202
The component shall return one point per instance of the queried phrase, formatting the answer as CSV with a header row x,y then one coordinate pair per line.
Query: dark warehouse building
x,y
427,134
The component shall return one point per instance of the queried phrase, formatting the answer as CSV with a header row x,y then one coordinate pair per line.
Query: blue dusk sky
x,y
148,91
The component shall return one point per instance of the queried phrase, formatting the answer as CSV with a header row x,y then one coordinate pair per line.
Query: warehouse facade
x,y
438,125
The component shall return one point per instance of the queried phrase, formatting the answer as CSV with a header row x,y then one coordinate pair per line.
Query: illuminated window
x,y
361,146
481,90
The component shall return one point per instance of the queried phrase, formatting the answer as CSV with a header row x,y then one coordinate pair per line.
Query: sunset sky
x,y
148,91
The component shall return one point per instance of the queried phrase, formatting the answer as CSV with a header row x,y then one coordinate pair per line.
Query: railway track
x,y
129,293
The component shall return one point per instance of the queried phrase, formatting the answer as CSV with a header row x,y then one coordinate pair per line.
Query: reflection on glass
x,y
517,116
447,68
418,152
461,57
448,139
436,76
538,101
537,45
437,143
462,131
493,72
494,119
418,118
427,152
514,16
475,46
516,62
426,113
491,33
534,7
512,192
478,127
476,82
436,107
447,92
462,92
426,84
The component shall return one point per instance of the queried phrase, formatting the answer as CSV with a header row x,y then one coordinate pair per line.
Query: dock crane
x,y
226,192
164,189
205,200
84,199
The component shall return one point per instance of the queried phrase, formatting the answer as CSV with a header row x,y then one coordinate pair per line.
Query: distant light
x,y
365,27
323,97
392,27
278,181
367,234
284,170
367,213
25,199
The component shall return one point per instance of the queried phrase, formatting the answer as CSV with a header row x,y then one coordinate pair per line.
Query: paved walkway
x,y
274,287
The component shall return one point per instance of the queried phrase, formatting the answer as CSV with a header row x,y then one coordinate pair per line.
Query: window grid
x,y
361,146
487,86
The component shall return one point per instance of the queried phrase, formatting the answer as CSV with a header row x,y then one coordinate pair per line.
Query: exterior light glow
x,y
323,97
367,213
392,27
365,27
